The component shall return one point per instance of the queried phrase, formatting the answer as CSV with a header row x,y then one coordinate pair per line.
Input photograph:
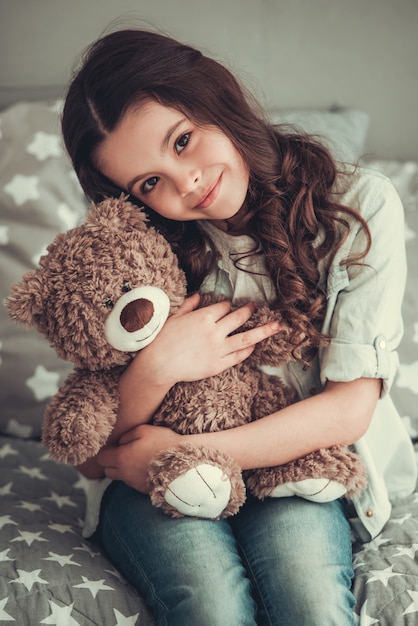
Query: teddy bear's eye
x,y
109,304
126,287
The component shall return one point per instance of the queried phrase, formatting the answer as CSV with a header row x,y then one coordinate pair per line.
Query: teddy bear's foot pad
x,y
314,489
202,491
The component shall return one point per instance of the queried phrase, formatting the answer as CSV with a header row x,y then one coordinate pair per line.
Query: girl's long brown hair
x,y
289,205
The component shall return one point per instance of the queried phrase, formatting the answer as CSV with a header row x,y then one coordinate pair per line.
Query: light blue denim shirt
x,y
364,321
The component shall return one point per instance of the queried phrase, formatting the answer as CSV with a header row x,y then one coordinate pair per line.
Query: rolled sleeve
x,y
345,362
363,316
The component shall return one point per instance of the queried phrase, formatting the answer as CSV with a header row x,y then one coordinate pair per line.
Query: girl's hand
x,y
197,343
129,461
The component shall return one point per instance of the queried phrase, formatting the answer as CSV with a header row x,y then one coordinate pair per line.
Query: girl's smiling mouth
x,y
210,196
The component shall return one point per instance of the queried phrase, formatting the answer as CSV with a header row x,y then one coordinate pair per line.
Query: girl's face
x,y
180,170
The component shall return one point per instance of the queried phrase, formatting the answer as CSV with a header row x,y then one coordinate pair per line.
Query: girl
x,y
251,211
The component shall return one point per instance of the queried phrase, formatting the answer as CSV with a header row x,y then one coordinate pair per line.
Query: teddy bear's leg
x,y
321,476
314,489
197,482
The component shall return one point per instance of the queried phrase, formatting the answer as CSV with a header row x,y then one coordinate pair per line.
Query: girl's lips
x,y
210,196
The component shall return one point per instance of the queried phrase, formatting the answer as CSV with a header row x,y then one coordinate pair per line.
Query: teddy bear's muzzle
x,y
136,318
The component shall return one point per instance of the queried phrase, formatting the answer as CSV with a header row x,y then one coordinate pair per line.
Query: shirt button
x,y
312,391
369,513
382,344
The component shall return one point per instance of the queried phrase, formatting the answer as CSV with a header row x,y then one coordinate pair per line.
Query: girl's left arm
x,y
340,414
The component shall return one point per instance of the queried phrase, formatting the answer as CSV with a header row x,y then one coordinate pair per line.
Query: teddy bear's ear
x,y
25,301
118,213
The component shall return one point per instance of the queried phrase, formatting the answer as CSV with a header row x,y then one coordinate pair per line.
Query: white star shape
x,y
28,579
89,551
29,506
67,215
413,607
23,431
5,617
6,519
408,377
82,483
121,620
5,491
23,188
375,544
29,537
60,501
61,559
36,257
382,576
60,615
117,575
44,384
94,586
7,450
4,235
4,557
61,528
57,106
410,551
32,472
45,145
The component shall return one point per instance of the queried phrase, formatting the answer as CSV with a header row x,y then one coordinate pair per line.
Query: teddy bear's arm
x,y
81,416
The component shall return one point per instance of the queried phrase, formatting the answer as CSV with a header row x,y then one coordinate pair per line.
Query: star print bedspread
x,y
49,574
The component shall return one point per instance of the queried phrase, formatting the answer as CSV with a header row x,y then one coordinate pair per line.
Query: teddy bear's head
x,y
103,290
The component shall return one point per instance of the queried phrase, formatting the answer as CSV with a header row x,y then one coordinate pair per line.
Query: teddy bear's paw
x,y
202,491
314,489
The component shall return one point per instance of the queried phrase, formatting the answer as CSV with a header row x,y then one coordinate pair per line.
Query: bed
x,y
49,574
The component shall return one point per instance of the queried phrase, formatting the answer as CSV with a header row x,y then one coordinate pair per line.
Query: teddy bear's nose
x,y
136,314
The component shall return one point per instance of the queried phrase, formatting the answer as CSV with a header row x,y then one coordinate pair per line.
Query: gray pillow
x,y
39,196
344,131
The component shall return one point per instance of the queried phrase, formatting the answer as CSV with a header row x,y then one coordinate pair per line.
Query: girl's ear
x,y
25,302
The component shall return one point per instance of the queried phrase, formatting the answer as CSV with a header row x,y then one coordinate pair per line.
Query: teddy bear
x,y
101,293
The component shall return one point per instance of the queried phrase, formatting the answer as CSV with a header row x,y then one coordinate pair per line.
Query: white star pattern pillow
x,y
39,197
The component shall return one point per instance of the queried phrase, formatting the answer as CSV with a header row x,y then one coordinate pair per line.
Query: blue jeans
x,y
284,561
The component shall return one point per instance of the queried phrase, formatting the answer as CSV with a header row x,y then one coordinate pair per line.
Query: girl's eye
x,y
149,184
182,142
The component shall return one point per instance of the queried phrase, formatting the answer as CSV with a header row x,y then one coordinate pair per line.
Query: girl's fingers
x,y
189,304
232,321
247,339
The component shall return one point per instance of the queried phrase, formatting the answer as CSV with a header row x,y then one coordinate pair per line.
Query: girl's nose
x,y
187,180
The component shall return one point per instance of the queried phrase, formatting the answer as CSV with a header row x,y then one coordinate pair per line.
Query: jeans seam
x,y
254,582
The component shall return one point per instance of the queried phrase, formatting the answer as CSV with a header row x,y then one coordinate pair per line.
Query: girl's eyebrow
x,y
164,146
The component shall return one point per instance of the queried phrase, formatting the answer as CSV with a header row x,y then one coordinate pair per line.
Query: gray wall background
x,y
291,53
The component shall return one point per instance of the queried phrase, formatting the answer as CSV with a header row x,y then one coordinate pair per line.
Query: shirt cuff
x,y
344,362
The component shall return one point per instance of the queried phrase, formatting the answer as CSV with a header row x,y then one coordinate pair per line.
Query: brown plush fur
x,y
67,299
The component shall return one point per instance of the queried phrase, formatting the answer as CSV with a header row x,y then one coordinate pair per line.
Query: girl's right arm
x,y
193,344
